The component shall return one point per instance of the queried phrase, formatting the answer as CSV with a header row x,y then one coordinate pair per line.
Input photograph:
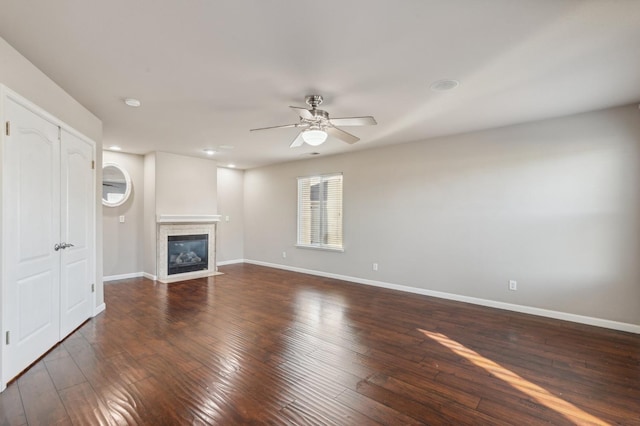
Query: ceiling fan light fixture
x,y
314,137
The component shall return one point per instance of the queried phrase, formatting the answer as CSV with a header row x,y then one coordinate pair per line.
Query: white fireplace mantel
x,y
187,218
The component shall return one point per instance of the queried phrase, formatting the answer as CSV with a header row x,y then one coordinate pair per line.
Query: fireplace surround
x,y
186,229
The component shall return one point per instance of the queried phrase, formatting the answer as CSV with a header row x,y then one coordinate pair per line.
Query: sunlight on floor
x,y
534,391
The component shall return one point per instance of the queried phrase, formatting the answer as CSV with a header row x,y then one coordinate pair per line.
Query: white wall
x,y
123,242
230,231
21,76
553,204
185,185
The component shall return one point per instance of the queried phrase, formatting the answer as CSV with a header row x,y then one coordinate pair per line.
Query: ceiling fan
x,y
316,124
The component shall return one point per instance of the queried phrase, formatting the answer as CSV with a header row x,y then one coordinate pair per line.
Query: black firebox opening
x,y
187,253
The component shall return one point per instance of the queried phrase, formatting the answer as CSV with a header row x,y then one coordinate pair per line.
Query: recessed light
x,y
132,102
115,148
444,85
232,166
209,151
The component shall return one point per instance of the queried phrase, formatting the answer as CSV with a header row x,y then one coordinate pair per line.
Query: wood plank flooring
x,y
265,346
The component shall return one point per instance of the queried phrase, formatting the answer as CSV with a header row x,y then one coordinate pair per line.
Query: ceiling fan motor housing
x,y
319,114
313,100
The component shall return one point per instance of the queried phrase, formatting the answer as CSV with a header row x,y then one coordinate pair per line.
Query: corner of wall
x,y
150,214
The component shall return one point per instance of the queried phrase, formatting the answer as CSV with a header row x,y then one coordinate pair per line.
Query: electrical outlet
x,y
375,266
284,254
226,218
513,285
122,219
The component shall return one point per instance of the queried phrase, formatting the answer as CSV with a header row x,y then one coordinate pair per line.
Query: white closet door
x,y
31,229
77,197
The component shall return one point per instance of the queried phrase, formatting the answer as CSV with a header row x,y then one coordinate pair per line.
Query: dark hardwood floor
x,y
264,346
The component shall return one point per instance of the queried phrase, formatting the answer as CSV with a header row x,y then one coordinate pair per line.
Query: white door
x,y
31,229
77,202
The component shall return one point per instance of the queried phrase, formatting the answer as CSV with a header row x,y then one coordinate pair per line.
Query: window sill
x,y
339,250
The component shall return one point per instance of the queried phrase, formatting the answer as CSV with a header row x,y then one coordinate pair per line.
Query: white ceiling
x,y
207,71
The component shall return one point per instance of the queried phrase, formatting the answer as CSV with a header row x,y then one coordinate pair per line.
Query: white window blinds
x,y
320,211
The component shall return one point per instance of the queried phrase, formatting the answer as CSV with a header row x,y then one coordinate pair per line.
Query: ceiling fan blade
x,y
354,121
276,127
341,134
298,141
303,112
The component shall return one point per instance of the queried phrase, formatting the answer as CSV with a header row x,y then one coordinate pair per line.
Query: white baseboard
x,y
230,262
132,275
99,309
598,322
122,276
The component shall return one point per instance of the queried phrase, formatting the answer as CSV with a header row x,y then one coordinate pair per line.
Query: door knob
x,y
62,246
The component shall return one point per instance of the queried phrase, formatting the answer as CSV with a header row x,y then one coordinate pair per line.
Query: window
x,y
320,211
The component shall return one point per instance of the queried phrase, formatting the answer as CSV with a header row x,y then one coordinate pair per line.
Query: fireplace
x,y
185,247
187,253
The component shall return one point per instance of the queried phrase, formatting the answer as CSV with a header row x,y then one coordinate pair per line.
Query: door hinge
x,y
8,128
93,288
7,339
93,164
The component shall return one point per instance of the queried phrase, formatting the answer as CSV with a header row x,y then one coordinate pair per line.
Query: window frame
x,y
299,209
